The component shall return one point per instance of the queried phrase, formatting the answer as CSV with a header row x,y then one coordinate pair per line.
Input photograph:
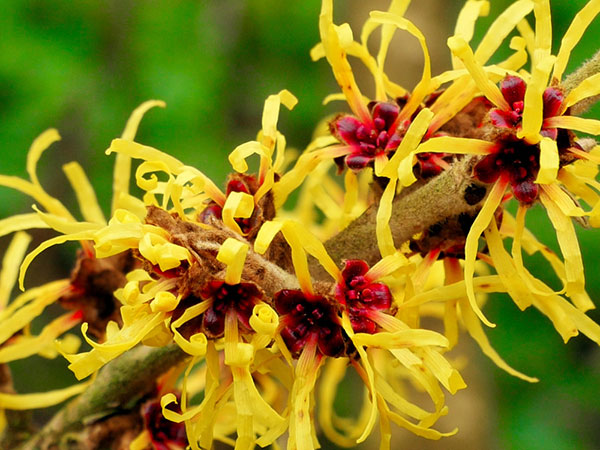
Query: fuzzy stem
x,y
441,198
130,376
586,70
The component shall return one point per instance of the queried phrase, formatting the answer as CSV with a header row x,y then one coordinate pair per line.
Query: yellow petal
x,y
533,112
567,240
233,253
331,37
238,156
141,442
301,428
298,259
528,34
314,247
543,30
548,161
511,277
461,49
25,346
385,241
587,88
265,235
401,339
21,222
500,29
409,143
443,371
465,23
578,26
476,331
264,319
238,204
51,204
41,400
10,264
481,222
122,170
589,126
196,346
164,301
456,145
424,87
47,244
66,226
563,200
30,303
386,266
270,114
39,145
86,197
84,364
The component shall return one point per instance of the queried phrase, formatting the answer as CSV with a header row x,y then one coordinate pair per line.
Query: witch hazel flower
x,y
532,141
361,295
513,90
367,141
372,134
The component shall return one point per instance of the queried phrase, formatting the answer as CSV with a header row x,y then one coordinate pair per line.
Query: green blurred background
x,y
84,66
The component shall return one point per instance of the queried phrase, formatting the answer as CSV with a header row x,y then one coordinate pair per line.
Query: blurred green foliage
x,y
84,66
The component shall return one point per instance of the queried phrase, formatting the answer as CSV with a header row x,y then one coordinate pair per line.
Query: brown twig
x,y
128,377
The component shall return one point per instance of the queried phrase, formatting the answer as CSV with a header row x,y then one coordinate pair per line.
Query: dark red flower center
x,y
368,140
164,434
513,90
240,298
516,160
361,297
430,164
304,317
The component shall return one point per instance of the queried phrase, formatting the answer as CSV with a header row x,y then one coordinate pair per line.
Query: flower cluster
x,y
262,300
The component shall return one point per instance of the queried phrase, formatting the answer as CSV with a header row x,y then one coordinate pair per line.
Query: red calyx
x,y
304,317
361,296
368,140
241,297
513,90
515,159
164,434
